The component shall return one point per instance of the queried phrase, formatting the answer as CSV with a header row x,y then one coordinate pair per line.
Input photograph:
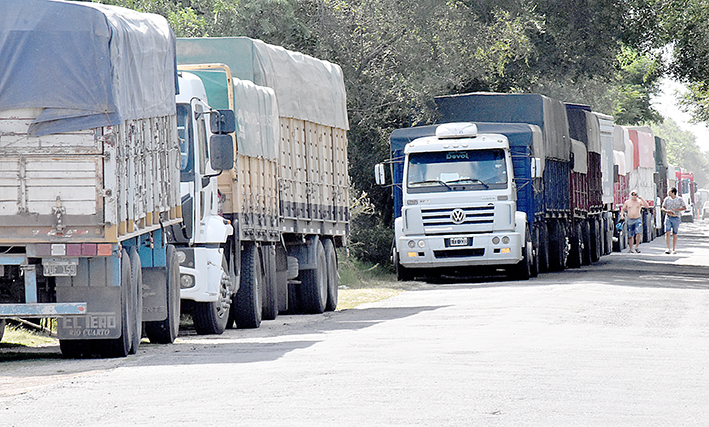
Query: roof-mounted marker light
x,y
456,130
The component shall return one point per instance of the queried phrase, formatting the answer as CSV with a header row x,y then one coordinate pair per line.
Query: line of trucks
x,y
520,184
144,176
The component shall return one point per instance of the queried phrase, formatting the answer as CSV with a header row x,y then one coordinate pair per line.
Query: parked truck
x,y
642,175
549,209
688,191
90,173
461,186
586,186
287,194
532,206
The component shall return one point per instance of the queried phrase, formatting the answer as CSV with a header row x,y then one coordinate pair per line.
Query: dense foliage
x,y
398,54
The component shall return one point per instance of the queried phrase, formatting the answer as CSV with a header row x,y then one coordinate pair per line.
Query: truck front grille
x,y
475,219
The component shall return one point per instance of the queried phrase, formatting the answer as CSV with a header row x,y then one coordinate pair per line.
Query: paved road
x,y
623,342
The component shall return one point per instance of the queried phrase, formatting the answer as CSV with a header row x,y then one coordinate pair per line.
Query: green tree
x,y
682,150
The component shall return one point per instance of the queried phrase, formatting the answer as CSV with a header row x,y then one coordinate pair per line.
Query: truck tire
x,y
523,269
596,239
558,248
269,308
211,317
165,331
314,283
247,303
2,328
403,274
542,252
74,349
576,245
121,346
136,296
586,242
333,278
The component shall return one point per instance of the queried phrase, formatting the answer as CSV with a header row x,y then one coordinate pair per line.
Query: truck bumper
x,y
201,280
449,251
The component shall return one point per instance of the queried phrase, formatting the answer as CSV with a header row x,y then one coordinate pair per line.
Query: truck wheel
x,y
246,309
314,283
269,308
121,346
165,331
136,296
211,317
74,349
523,269
558,246
596,239
542,247
333,278
403,274
586,241
2,328
576,242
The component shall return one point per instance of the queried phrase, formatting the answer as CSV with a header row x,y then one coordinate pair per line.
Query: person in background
x,y
673,207
634,207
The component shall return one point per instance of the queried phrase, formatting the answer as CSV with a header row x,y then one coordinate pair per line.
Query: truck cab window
x,y
184,136
459,170
201,138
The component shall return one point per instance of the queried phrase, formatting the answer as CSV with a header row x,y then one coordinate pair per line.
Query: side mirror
x,y
222,121
616,173
379,175
221,152
536,168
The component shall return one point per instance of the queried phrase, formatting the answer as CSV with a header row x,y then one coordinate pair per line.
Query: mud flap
x,y
154,294
103,317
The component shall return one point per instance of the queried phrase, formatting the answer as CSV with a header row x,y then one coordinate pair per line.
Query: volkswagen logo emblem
x,y
458,216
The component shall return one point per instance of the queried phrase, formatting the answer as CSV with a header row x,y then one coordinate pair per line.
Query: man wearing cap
x,y
634,207
673,207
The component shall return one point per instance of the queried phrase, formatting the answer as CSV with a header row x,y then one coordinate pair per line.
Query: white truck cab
x,y
206,276
459,203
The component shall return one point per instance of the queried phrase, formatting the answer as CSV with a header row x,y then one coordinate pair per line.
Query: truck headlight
x,y
412,244
422,243
495,240
505,240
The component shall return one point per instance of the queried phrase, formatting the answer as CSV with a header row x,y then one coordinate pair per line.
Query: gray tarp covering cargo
x,y
83,62
257,120
280,69
549,114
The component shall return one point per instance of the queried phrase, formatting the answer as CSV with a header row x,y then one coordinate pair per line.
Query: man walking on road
x,y
634,207
673,207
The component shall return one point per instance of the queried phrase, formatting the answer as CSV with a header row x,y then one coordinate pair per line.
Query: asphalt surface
x,y
622,342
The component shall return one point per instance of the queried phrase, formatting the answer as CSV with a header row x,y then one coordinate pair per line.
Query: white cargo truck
x,y
90,169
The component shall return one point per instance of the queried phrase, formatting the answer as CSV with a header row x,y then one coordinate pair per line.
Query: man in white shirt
x,y
673,207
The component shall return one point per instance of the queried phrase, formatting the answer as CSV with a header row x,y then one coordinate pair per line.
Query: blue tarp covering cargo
x,y
546,113
87,65
523,138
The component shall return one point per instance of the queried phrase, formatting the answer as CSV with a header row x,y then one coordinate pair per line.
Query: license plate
x,y
60,267
458,241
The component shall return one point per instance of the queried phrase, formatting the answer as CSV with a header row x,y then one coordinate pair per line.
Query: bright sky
x,y
665,105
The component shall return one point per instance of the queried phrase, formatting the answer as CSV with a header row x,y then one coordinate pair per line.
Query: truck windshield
x,y
185,139
457,170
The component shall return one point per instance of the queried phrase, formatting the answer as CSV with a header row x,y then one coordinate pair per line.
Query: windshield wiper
x,y
431,181
473,180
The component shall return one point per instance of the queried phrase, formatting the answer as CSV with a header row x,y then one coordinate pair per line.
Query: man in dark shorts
x,y
634,207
